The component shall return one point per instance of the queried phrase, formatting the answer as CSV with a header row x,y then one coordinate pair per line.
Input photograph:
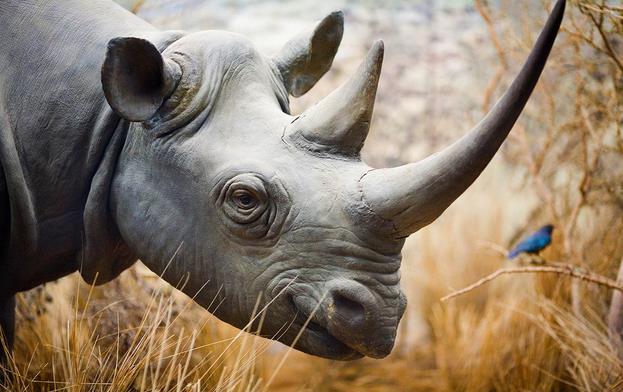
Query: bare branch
x,y
561,269
604,38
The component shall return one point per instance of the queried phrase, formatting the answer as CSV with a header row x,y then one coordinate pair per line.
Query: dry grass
x,y
135,334
563,164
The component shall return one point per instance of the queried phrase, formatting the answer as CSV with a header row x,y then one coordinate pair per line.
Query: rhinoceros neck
x,y
56,128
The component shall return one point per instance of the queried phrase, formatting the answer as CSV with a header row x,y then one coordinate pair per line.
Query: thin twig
x,y
557,269
613,11
599,25
483,10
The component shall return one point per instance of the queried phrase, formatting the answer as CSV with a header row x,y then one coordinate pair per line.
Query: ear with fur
x,y
136,78
304,59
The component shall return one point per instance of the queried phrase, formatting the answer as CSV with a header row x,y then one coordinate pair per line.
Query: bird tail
x,y
512,254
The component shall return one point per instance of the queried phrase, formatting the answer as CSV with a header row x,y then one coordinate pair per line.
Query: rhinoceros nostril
x,y
347,309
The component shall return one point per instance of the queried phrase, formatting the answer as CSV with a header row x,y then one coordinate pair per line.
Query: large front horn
x,y
339,124
414,195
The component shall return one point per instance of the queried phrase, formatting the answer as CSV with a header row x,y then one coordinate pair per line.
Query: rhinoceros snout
x,y
352,314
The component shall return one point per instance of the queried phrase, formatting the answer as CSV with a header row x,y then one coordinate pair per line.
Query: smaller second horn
x,y
339,123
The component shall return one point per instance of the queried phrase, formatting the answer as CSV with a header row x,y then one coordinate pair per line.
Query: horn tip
x,y
558,10
377,50
375,54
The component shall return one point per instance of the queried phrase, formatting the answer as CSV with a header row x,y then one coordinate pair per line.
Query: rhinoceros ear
x,y
136,78
304,59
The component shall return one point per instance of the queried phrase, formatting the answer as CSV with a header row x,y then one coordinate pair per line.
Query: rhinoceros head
x,y
243,205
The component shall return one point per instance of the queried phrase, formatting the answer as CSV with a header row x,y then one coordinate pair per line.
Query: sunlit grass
x,y
135,334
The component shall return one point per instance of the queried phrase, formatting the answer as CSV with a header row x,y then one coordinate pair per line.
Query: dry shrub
x,y
568,147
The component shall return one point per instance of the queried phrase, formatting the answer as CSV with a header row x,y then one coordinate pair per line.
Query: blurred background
x,y
446,62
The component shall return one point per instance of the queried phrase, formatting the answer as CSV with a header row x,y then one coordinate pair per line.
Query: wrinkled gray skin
x,y
119,141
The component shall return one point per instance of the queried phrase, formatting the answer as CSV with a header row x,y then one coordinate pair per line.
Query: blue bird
x,y
534,243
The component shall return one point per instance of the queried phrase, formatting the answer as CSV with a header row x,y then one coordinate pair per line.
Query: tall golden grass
x,y
563,164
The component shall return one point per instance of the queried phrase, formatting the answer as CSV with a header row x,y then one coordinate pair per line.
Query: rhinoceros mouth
x,y
316,339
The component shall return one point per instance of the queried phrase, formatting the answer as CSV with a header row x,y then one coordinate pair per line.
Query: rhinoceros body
x,y
119,141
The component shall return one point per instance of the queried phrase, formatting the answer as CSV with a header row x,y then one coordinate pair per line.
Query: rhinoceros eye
x,y
250,206
244,199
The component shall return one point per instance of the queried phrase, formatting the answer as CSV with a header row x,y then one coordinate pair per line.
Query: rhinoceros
x,y
121,142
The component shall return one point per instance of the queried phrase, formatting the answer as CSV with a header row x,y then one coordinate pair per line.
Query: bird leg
x,y
531,259
536,259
